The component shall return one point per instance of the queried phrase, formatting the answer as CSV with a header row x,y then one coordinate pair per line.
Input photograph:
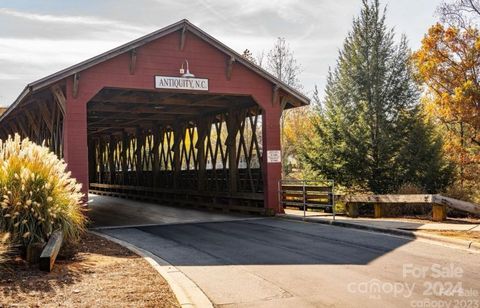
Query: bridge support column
x,y
75,146
272,169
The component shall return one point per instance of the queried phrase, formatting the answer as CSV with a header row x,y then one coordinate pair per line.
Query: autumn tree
x,y
369,134
448,62
281,63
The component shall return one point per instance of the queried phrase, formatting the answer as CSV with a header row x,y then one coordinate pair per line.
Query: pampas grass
x,y
37,195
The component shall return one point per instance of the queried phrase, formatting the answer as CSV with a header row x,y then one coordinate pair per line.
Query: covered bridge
x,y
174,117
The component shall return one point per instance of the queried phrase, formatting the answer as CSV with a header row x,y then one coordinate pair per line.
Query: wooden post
x,y
202,134
352,210
125,148
111,162
177,163
101,163
139,165
33,252
379,210
232,127
50,252
439,212
157,139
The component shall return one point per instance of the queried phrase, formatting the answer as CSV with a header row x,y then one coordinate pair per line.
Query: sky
x,y
40,37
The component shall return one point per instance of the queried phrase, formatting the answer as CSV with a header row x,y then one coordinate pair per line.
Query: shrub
x,y
37,195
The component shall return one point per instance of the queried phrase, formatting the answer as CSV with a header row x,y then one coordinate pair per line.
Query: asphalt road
x,y
110,212
272,262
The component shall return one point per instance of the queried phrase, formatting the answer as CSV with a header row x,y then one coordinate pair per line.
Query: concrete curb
x,y
457,243
186,291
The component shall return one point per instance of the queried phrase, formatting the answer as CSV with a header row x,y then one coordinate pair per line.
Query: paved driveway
x,y
272,262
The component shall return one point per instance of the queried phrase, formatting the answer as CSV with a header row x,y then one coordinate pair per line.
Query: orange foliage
x,y
448,62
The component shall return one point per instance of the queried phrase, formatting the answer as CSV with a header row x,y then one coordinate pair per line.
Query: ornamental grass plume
x,y
37,195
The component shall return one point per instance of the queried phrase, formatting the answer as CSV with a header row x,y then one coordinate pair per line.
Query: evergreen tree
x,y
364,134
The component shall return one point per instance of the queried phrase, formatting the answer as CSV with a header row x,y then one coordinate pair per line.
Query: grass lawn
x,y
101,274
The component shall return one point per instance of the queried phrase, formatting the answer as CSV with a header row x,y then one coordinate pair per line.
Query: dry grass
x,y
102,274
473,236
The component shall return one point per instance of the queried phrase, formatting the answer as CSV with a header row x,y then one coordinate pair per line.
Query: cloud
x,y
39,39
47,52
73,20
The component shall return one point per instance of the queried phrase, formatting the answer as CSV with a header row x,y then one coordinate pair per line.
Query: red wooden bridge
x,y
129,123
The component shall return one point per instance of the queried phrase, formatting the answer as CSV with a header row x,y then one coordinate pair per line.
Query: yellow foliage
x,y
37,195
448,62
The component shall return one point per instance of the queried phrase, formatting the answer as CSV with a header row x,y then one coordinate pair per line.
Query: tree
x,y
282,64
316,102
364,134
459,13
448,63
247,54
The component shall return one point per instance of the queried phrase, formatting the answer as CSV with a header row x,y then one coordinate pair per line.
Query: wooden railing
x,y
306,195
240,201
438,202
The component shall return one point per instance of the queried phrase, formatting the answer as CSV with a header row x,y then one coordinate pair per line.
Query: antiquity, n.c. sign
x,y
181,83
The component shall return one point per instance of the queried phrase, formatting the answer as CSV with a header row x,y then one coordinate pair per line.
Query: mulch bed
x,y
100,274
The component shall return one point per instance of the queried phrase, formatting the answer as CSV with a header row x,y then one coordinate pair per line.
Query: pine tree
x,y
370,96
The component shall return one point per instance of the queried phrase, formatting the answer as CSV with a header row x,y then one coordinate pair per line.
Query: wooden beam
x,y
76,81
46,115
32,121
158,100
421,198
23,128
59,98
183,33
230,62
140,136
3,133
111,162
14,127
125,148
50,252
202,130
275,95
457,204
111,108
231,142
177,163
133,61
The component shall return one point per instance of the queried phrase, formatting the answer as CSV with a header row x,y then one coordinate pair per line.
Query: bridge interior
x,y
197,149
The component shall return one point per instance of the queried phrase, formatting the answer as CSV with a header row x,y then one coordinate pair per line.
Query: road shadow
x,y
268,241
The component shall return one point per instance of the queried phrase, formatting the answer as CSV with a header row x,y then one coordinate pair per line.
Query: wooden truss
x,y
212,161
40,119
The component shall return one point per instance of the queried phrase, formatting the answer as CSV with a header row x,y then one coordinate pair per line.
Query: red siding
x,y
163,57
